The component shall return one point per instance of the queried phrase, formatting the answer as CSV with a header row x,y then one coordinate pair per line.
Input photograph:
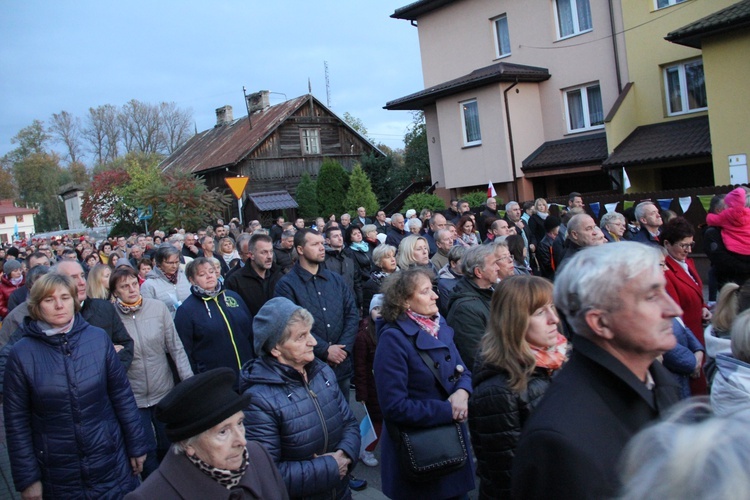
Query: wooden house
x,y
273,146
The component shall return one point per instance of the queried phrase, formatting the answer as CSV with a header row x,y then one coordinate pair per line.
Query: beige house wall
x,y
648,52
726,62
459,38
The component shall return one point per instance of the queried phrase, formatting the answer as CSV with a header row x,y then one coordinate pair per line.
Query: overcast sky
x,y
71,56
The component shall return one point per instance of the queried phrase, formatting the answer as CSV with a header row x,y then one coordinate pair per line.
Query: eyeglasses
x,y
686,246
172,262
507,258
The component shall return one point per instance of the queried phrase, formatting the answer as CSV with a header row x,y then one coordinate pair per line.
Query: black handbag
x,y
428,453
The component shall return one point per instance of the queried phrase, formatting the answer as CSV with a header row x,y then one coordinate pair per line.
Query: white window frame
x,y
670,3
310,140
498,42
462,107
683,88
576,25
585,108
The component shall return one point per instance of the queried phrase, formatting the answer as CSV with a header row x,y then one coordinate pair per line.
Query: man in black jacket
x,y
615,301
256,281
340,263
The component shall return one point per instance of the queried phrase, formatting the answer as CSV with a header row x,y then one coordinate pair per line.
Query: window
x,y
470,122
310,138
660,4
573,17
502,36
583,106
685,87
2,219
3,238
19,218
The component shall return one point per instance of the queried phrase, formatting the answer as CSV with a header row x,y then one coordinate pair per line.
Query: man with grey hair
x,y
396,232
650,218
582,232
615,301
443,244
436,223
513,217
469,304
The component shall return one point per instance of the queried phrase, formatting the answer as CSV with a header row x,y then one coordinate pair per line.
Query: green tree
x,y
7,187
307,198
356,124
360,193
331,187
32,139
419,201
38,179
478,198
416,158
379,169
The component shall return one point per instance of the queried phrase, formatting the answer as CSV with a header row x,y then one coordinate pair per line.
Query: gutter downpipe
x,y
510,139
614,47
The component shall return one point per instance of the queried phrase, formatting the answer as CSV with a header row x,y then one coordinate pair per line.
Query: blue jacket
x,y
410,395
70,416
296,421
331,302
215,332
680,360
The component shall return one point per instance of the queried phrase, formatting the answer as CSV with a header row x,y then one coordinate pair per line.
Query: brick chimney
x,y
258,102
224,116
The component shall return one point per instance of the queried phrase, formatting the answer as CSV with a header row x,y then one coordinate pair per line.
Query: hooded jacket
x,y
730,392
70,416
216,331
157,286
297,420
734,221
6,288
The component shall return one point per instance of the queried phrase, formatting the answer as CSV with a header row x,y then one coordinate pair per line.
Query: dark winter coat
x,y
468,315
341,263
643,236
6,288
410,395
362,262
96,312
546,256
364,381
215,332
496,416
331,302
253,289
283,257
178,478
680,360
70,416
394,236
536,226
729,266
372,287
295,421
572,443
17,297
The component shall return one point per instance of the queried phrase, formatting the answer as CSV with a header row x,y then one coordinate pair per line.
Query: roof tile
x,y
570,151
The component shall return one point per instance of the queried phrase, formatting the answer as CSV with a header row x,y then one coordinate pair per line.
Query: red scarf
x,y
430,325
551,358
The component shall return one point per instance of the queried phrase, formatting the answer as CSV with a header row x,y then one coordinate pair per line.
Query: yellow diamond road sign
x,y
237,185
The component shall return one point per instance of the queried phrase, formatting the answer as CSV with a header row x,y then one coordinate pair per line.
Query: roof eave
x,y
412,11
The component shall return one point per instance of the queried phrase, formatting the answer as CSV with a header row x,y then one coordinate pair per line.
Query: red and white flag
x,y
491,193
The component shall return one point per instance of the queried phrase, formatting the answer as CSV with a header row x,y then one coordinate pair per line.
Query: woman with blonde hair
x,y
717,334
97,282
518,356
536,221
414,251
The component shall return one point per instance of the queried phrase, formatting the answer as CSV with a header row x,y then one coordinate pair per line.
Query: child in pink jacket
x,y
734,222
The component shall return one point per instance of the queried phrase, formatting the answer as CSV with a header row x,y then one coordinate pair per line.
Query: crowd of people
x,y
525,347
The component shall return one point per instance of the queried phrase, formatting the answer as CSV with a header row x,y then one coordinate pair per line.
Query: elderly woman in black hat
x,y
211,457
296,409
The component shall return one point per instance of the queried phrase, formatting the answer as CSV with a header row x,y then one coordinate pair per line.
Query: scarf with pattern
x,y
126,308
430,325
172,278
551,358
227,478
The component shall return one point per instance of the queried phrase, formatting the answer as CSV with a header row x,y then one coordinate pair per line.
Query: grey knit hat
x,y
377,301
270,323
10,266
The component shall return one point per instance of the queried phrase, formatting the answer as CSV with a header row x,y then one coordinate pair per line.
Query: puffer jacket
x,y
331,302
496,416
215,332
70,416
730,392
295,421
468,315
154,335
157,286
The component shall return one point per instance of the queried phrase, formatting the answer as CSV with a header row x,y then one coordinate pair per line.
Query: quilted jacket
x,y
496,416
295,421
70,415
331,302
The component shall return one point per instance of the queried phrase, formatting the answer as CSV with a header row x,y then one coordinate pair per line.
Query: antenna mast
x,y
328,85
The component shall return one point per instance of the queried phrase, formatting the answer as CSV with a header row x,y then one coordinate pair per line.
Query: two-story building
x,y
516,93
15,222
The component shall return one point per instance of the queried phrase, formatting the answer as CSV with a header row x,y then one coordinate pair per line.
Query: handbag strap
x,y
427,361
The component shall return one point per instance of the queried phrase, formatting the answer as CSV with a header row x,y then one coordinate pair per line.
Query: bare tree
x,y
140,126
175,126
102,132
66,129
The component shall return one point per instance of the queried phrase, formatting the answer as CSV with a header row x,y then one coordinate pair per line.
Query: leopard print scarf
x,y
227,478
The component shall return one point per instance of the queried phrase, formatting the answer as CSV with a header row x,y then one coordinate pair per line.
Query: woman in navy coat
x,y
408,391
70,416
